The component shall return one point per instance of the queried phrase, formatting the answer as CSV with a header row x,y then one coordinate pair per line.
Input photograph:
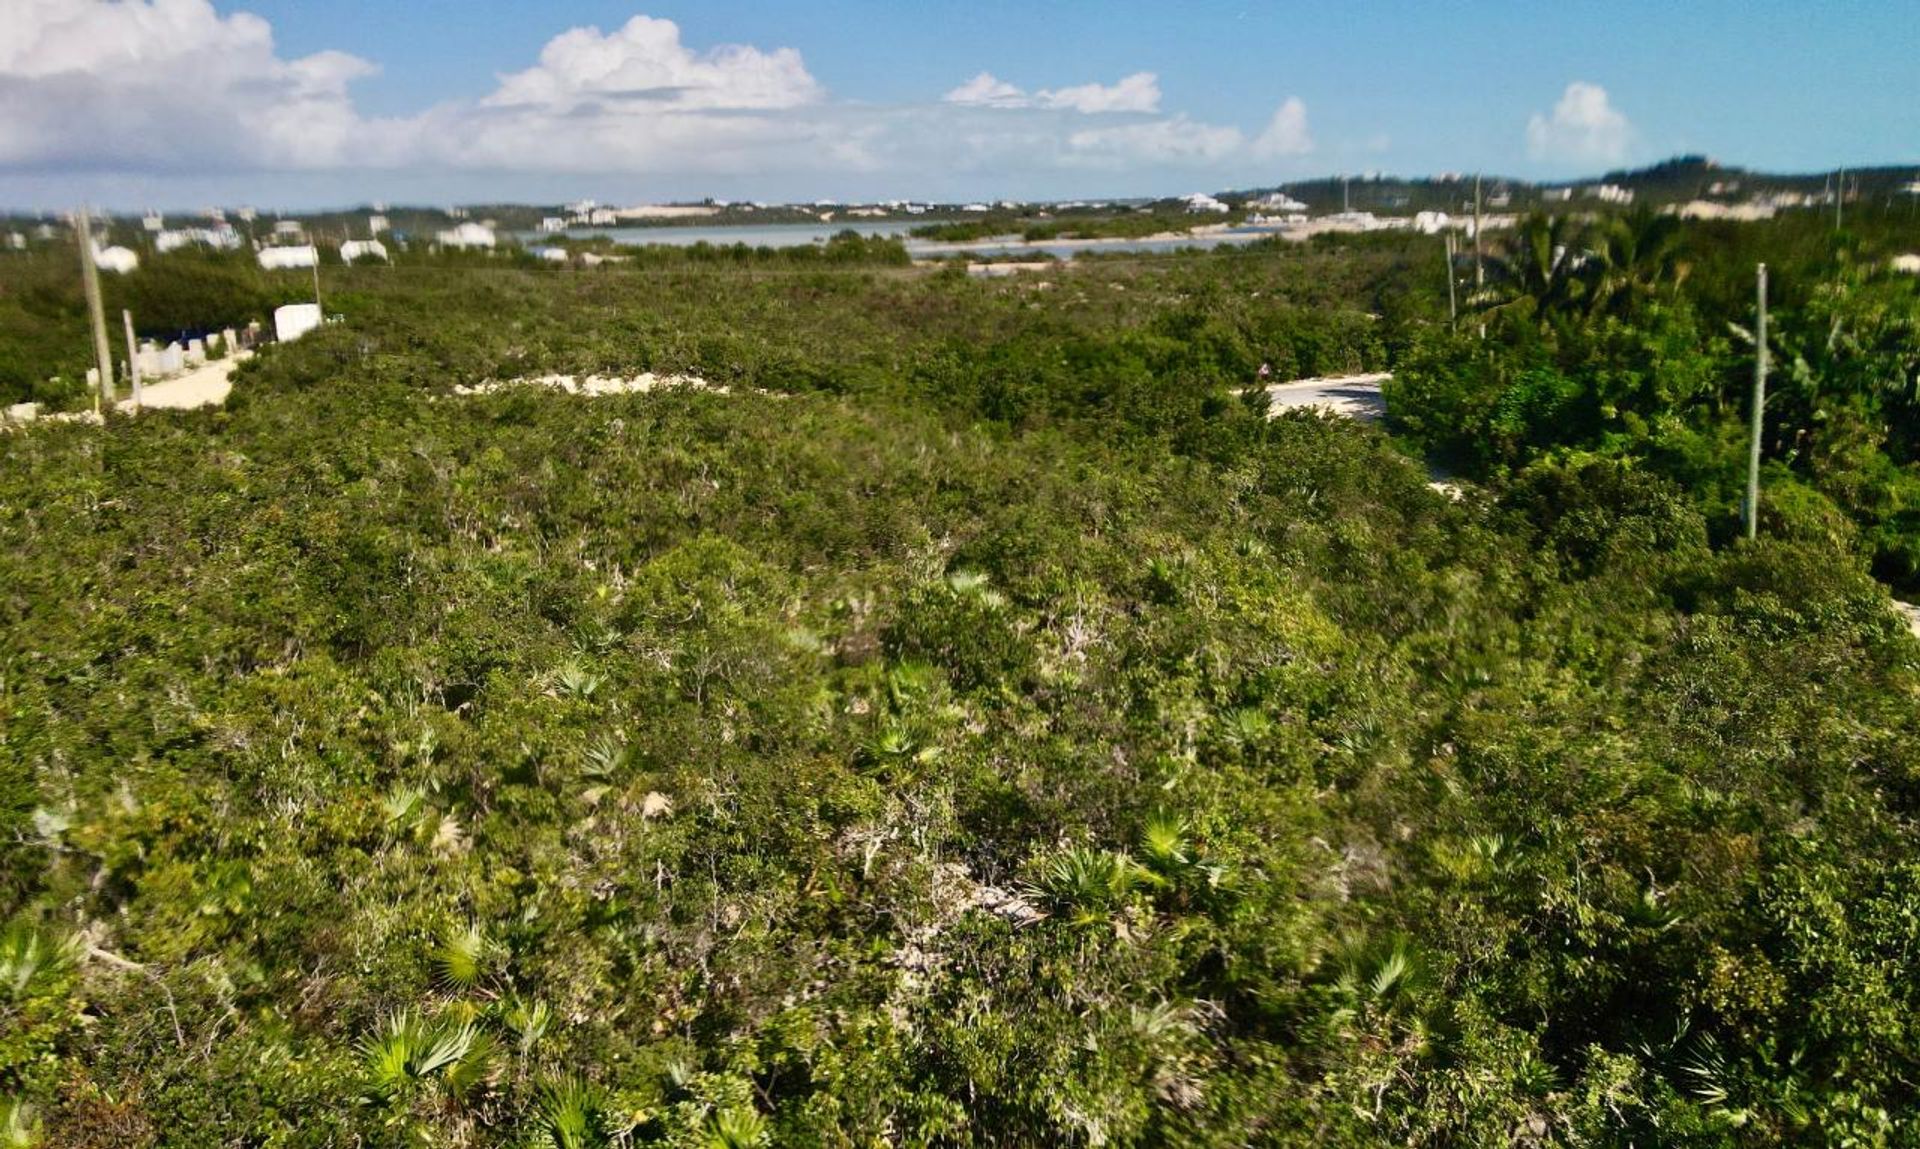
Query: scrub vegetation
x,y
982,725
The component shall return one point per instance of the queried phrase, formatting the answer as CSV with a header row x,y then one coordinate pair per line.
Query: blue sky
x,y
308,103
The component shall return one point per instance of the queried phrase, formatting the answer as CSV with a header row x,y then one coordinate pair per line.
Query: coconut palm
x,y
1633,258
1539,276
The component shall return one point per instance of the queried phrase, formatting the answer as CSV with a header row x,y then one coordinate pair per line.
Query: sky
x,y
302,103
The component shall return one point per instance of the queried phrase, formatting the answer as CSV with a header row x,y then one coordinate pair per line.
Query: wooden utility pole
x,y
1453,306
133,357
1479,269
1759,405
90,282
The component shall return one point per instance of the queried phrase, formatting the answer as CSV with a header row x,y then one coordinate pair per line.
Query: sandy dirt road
x,y
204,386
1355,396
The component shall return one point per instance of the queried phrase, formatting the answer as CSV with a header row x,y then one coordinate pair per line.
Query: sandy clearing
x,y
598,384
1909,612
204,386
1354,396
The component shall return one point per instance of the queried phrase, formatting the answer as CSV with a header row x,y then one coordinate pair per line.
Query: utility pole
x,y
1839,197
1759,405
133,357
1453,306
316,279
90,282
1479,269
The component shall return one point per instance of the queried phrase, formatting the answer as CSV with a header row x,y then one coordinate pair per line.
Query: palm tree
x,y
1633,258
1538,276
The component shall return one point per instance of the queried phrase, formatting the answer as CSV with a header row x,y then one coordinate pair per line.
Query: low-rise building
x,y
467,235
294,320
221,238
358,249
288,258
119,260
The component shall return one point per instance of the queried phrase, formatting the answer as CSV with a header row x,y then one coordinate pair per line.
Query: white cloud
x,y
165,84
987,91
1176,141
1585,127
1139,92
171,91
1286,134
645,64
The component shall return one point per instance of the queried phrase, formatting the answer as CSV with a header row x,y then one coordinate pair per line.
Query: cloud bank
x,y
174,88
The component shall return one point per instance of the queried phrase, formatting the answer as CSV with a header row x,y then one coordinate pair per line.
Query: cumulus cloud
x,y
1175,141
165,84
172,89
1585,127
1286,133
1139,92
645,63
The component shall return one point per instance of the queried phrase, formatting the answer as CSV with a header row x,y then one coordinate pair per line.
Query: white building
x,y
288,229
153,221
1202,203
1908,264
466,235
357,249
553,223
550,254
1611,193
119,260
1279,201
376,224
294,320
1431,222
222,238
287,258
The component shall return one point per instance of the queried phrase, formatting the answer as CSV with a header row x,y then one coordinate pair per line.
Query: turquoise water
x,y
802,234
751,234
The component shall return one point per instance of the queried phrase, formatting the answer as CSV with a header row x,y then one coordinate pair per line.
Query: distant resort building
x,y
467,235
1199,203
553,223
119,260
294,320
222,238
1278,201
355,250
287,258
1708,209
